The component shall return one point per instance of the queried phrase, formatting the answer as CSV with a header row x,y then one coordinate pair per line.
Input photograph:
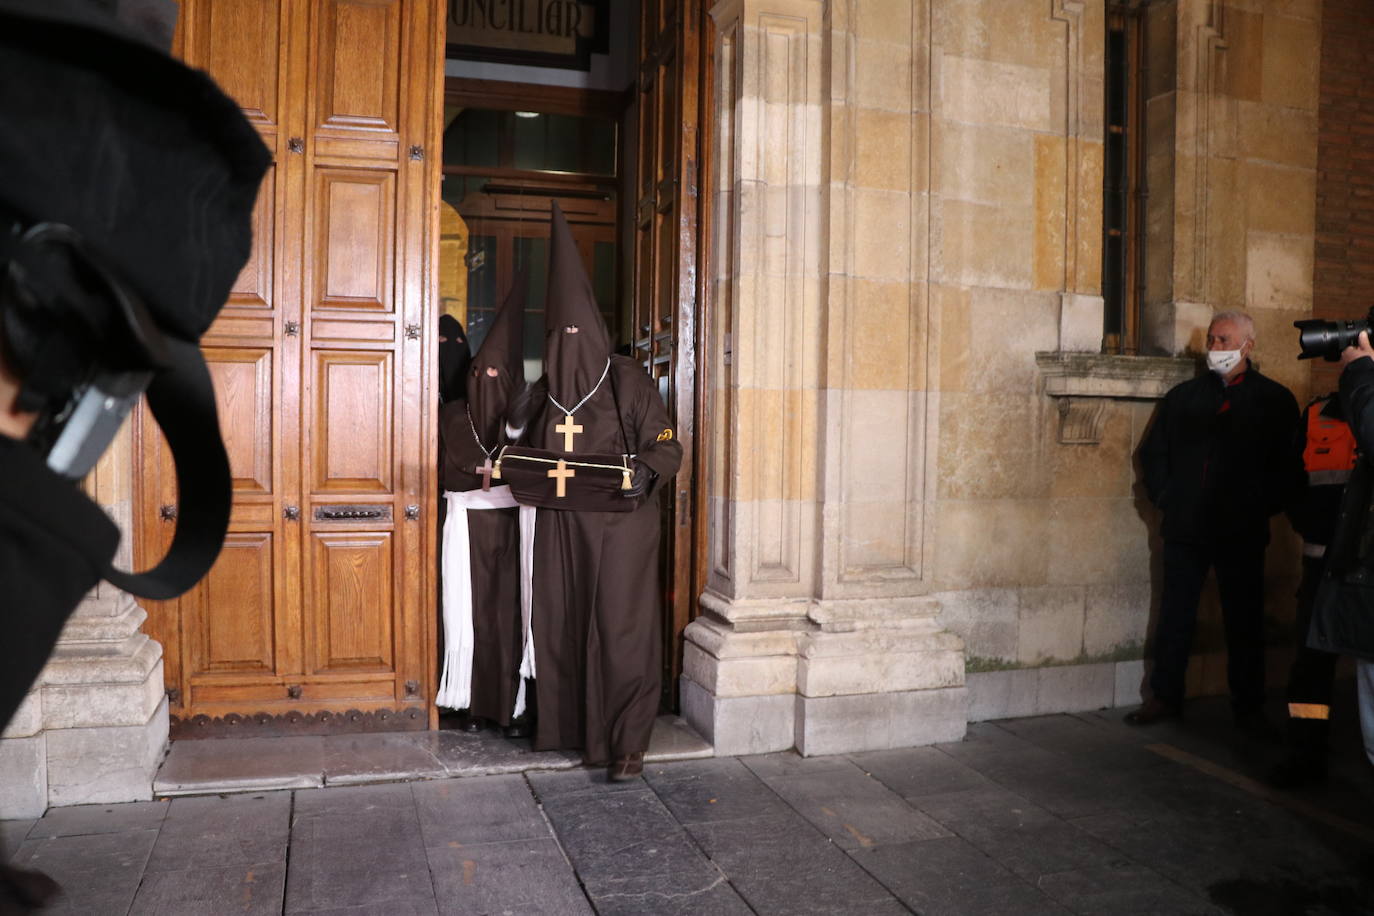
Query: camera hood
x,y
149,172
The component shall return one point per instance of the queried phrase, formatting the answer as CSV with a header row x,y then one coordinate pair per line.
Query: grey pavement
x,y
1054,814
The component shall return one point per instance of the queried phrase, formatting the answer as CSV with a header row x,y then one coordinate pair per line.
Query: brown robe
x,y
597,614
494,548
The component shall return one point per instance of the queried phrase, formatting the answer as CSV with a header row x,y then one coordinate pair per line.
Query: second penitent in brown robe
x,y
482,658
597,613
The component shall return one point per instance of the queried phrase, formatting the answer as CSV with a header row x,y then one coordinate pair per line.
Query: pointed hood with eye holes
x,y
503,349
574,361
454,359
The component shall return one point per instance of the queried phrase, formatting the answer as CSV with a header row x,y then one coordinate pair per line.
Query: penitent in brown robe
x,y
493,534
597,612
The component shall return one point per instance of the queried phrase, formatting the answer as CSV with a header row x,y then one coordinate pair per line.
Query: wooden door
x,y
316,615
667,281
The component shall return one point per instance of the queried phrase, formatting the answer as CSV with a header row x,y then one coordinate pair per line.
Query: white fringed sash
x,y
455,685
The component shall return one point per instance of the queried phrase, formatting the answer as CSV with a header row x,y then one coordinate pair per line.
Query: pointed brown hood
x,y
503,350
573,360
454,359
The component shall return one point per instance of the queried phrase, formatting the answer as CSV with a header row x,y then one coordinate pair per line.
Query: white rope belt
x,y
455,685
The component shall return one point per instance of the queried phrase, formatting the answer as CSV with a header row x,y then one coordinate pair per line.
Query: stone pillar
x,y
815,630
94,728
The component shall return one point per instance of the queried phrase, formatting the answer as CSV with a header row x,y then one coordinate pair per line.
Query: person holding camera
x,y
1218,463
1343,611
1326,446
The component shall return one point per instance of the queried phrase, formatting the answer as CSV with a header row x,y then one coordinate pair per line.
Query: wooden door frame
x,y
688,29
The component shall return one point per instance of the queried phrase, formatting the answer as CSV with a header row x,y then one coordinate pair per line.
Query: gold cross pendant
x,y
561,473
569,429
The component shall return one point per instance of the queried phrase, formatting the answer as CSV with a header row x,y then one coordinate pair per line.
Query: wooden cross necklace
x,y
568,428
486,469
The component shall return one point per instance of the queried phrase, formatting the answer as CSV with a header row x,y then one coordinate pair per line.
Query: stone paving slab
x,y
98,873
783,865
852,809
949,875
916,771
529,876
85,820
211,832
1123,890
484,809
357,846
708,791
12,834
1036,851
255,890
719,899
626,843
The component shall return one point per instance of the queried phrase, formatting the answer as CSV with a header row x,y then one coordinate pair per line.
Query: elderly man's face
x,y
1227,335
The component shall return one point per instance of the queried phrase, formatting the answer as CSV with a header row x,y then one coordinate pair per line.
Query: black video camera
x,y
1327,339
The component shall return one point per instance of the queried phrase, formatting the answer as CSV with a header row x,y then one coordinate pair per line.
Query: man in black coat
x,y
1218,462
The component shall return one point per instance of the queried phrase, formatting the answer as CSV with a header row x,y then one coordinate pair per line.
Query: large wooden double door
x,y
322,362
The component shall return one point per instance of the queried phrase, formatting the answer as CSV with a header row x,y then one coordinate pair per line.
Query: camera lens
x,y
1327,338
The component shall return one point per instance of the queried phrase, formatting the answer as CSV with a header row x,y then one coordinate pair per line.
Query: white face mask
x,y
1222,361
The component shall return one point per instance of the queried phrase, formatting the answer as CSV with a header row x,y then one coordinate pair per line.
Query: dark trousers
x,y
1312,678
1240,579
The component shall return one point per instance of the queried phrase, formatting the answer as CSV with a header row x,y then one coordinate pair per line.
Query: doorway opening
x,y
621,159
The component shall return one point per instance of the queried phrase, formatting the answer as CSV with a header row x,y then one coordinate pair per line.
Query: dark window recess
x,y
502,166
1123,193
531,141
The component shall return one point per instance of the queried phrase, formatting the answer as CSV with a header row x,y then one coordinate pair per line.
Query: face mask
x,y
1222,361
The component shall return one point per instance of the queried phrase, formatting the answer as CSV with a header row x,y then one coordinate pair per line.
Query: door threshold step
x,y
218,766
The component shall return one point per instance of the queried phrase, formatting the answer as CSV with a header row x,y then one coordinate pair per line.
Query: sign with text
x,y
543,33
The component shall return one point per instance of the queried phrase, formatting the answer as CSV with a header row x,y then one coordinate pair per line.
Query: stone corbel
x,y
1083,382
1080,420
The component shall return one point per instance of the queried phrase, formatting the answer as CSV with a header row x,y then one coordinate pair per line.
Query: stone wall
x,y
1343,285
935,256
1051,553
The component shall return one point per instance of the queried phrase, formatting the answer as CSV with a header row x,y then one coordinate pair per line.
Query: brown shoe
x,y
1151,711
626,768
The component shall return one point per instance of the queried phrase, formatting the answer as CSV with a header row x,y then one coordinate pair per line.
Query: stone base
x,y
739,725
104,765
24,788
878,721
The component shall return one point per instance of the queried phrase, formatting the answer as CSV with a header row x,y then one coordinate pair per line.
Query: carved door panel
x,y
317,603
361,431
666,275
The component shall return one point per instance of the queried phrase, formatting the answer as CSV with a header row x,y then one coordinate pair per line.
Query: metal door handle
x,y
335,513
